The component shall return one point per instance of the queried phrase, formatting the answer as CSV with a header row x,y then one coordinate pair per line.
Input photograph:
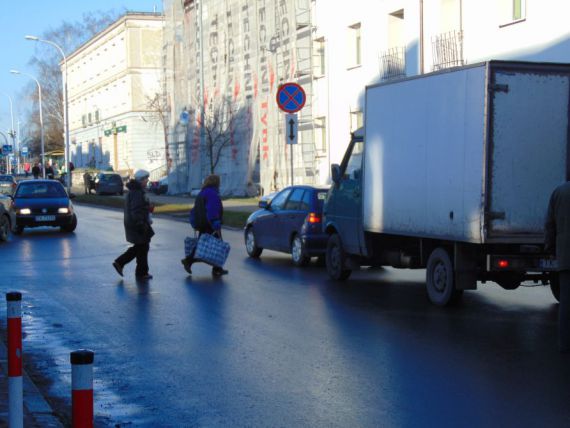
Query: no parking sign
x,y
291,97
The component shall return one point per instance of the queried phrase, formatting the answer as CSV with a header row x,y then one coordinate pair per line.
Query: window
x,y
518,9
512,11
294,201
354,166
306,202
354,46
89,118
84,121
355,120
321,133
279,200
319,57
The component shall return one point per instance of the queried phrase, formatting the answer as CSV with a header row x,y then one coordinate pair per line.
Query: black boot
x,y
187,263
218,271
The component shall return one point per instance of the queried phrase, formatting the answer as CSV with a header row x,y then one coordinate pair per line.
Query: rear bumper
x,y
30,221
315,245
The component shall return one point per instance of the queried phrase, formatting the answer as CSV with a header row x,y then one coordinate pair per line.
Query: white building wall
x,y
111,79
489,32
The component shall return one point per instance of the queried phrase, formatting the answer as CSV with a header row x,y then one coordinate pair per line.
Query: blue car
x,y
291,222
42,203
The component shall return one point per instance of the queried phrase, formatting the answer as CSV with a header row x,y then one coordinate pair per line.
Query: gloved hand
x,y
216,225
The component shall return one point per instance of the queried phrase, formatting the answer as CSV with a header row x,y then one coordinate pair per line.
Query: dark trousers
x,y
140,252
564,311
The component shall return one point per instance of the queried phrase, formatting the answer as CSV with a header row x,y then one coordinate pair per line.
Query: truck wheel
x,y
250,246
336,258
555,286
298,253
440,282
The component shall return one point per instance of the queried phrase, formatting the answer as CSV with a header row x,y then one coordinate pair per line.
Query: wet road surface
x,y
274,345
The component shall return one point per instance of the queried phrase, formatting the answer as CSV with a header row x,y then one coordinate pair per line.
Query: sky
x,y
34,17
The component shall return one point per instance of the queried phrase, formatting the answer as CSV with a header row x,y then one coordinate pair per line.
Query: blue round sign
x,y
291,97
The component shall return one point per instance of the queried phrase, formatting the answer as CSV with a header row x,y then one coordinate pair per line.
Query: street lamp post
x,y
13,132
41,118
65,106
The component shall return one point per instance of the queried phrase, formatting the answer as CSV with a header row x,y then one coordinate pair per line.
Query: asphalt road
x,y
273,345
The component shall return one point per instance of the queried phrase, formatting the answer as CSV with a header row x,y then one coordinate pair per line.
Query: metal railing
x,y
447,50
393,63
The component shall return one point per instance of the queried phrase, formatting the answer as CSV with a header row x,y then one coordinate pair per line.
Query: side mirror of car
x,y
263,204
335,173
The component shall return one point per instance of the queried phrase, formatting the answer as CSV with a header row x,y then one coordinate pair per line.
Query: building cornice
x,y
123,20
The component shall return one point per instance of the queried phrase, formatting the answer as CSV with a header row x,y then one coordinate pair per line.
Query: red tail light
x,y
503,263
313,218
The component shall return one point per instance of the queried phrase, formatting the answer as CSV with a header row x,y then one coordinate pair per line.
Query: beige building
x,y
112,82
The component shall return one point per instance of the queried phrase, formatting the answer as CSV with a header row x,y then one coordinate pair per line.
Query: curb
x,y
36,408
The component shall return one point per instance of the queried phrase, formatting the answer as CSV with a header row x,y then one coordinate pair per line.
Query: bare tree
x,y
160,109
219,125
47,62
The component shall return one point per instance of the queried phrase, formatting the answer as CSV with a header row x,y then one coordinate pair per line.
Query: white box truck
x,y
452,173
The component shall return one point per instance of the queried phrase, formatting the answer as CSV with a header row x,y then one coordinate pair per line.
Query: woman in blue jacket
x,y
214,212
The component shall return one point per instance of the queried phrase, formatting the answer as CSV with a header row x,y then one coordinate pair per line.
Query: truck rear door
x,y
527,151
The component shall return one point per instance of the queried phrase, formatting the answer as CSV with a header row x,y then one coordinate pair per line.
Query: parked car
x,y
5,219
42,203
289,222
7,184
109,183
158,187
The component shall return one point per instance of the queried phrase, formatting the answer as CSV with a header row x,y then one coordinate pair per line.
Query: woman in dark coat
x,y
138,229
214,213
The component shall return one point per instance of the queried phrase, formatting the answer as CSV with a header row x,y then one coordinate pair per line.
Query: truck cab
x,y
343,207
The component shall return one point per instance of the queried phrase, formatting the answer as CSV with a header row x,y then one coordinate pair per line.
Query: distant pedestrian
x,y
50,172
211,218
27,168
138,229
557,242
36,171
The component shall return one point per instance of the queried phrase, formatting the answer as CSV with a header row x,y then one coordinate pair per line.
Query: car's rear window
x,y
6,178
40,190
111,178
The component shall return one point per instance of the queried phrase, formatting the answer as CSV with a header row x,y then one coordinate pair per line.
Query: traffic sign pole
x,y
291,98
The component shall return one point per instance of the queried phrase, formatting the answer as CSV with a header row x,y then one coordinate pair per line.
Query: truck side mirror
x,y
335,173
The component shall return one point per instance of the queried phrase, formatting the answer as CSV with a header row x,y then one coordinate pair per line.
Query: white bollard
x,y
15,390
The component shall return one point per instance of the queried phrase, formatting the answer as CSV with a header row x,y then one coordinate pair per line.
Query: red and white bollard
x,y
15,391
82,388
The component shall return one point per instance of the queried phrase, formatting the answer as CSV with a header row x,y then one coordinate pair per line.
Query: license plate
x,y
45,218
549,264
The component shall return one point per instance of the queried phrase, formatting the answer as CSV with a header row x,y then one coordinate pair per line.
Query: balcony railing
x,y
393,63
447,50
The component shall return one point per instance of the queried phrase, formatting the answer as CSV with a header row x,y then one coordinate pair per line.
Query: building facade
x,y
115,97
240,51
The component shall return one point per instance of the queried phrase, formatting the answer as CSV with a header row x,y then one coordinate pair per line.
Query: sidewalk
x,y
37,412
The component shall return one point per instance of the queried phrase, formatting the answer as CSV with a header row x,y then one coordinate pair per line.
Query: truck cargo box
x,y
470,154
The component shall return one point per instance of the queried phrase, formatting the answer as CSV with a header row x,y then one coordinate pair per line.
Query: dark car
x,y
108,183
42,203
291,222
5,219
7,184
